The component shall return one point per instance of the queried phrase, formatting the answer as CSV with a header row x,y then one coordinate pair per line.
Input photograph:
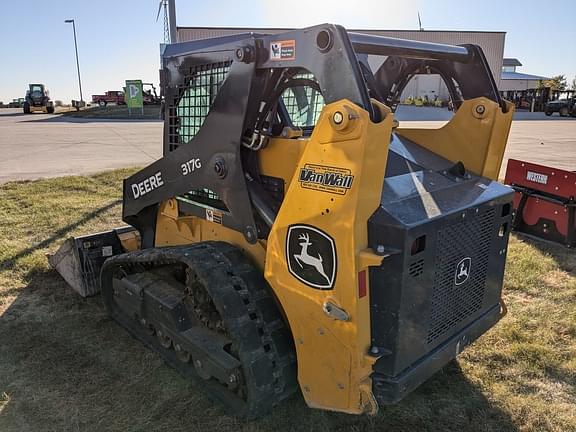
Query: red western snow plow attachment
x,y
545,201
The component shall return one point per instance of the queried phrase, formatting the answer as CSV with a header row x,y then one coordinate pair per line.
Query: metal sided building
x,y
492,43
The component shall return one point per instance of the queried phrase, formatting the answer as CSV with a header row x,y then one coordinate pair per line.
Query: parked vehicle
x,y
150,97
111,96
564,107
16,103
37,99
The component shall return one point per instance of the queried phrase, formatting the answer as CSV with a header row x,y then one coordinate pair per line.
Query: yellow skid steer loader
x,y
294,236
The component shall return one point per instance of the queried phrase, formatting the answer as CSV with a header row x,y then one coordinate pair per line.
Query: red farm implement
x,y
545,201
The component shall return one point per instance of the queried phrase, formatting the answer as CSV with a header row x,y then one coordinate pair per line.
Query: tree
x,y
557,82
574,83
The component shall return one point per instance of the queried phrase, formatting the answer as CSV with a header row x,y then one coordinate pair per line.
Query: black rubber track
x,y
249,312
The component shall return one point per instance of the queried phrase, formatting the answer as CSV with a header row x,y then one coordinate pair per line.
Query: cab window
x,y
303,101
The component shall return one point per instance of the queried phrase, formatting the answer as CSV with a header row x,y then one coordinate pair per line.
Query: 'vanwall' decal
x,y
326,179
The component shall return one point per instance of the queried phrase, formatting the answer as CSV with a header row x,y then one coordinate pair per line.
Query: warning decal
x,y
214,216
283,50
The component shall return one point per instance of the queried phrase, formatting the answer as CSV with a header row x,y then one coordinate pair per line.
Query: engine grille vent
x,y
416,268
452,304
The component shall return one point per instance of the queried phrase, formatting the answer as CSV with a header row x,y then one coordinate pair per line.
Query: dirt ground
x,y
65,366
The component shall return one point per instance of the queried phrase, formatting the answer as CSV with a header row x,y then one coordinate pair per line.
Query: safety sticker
x,y
325,178
214,216
283,50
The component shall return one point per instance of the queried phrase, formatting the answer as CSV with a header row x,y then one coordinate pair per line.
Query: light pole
x,y
68,21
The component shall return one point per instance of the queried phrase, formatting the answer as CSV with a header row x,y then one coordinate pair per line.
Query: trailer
x,y
544,201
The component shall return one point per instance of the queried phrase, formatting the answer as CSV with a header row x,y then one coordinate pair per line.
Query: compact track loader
x,y
37,99
294,236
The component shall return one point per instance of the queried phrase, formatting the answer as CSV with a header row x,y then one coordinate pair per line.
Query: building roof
x,y
511,62
520,76
492,42
264,29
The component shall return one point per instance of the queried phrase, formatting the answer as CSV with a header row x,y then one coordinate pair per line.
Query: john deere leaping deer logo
x,y
462,271
304,258
311,256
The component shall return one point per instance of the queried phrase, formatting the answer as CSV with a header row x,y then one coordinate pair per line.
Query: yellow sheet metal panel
x,y
173,230
347,146
280,158
476,135
498,141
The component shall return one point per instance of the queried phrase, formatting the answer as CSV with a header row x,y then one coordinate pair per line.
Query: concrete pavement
x,y
551,142
40,145
34,146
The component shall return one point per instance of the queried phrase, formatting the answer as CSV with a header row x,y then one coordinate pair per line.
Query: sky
x,y
119,39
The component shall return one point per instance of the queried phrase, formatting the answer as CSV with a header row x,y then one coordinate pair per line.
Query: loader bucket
x,y
544,202
79,259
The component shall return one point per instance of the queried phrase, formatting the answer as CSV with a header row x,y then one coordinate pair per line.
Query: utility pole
x,y
68,21
172,14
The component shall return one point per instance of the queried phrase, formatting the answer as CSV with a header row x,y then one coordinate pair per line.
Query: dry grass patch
x,y
65,366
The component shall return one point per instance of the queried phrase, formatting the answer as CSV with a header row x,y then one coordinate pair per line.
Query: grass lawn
x,y
65,366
